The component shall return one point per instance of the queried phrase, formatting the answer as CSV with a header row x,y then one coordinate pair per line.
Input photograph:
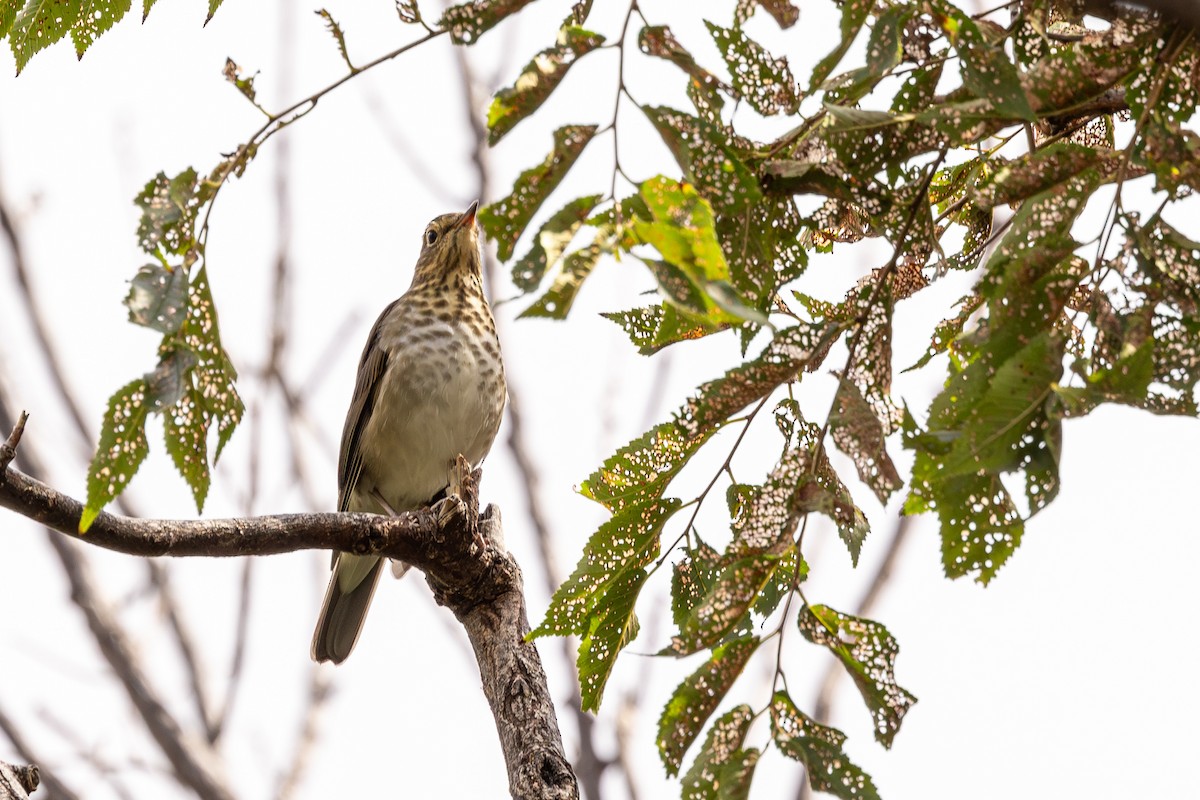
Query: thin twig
x,y
183,637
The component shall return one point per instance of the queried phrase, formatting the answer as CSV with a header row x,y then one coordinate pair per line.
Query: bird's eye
x,y
431,236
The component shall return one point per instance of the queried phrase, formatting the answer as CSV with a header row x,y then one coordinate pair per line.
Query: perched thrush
x,y
430,387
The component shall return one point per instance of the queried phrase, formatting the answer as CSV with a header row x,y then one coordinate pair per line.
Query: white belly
x,y
431,406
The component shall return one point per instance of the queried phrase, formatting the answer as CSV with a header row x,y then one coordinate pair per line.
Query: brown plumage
x,y
430,386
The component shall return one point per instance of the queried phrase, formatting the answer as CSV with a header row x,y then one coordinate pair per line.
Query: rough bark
x,y
460,552
16,782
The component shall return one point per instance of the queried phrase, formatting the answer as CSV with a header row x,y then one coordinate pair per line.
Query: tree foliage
x,y
966,142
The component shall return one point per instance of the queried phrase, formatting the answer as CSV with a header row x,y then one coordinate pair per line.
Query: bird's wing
x,y
370,372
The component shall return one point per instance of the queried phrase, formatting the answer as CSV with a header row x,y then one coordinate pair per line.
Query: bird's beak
x,y
467,220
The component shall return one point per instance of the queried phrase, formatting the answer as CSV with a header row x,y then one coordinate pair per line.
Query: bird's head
x,y
450,248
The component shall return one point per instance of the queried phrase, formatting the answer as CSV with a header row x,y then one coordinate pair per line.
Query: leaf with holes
x,y
609,631
171,380
858,432
169,207
986,69
819,748
556,302
641,470
185,429
551,242
628,541
765,82
825,493
96,17
654,327
121,450
40,24
724,766
538,80
339,38
468,21
868,652
214,377
784,12
658,41
726,605
157,298
505,220
697,697
692,579
711,158
854,15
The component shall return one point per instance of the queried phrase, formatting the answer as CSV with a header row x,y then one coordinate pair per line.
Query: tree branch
x,y
460,552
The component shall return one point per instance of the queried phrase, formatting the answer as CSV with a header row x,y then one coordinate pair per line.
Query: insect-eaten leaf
x,y
121,450
506,219
868,652
697,697
557,301
169,207
38,25
538,80
96,18
724,766
819,748
765,82
339,38
468,21
609,631
551,242
157,298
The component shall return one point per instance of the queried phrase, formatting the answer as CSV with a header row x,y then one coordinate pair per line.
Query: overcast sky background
x,y
1068,676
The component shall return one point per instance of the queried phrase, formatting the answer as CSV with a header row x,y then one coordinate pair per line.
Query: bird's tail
x,y
345,608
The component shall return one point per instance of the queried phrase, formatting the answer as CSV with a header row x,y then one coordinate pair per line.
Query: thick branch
x,y
16,782
459,551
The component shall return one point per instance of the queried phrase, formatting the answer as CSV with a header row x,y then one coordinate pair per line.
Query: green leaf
x,y
1038,172
40,24
557,301
1009,424
157,298
692,578
723,769
146,6
625,543
214,376
710,157
725,606
122,449
653,328
610,630
854,15
766,83
8,13
819,748
825,493
858,433
468,21
169,207
641,470
185,429
96,17
658,41
171,380
986,69
538,80
783,12
505,220
682,229
213,5
868,652
697,697
551,242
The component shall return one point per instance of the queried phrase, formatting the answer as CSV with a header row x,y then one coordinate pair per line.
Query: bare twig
x,y
8,450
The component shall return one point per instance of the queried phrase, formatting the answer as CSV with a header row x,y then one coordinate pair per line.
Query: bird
x,y
430,387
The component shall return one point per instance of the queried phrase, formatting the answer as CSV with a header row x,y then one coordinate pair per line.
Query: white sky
x,y
1068,676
